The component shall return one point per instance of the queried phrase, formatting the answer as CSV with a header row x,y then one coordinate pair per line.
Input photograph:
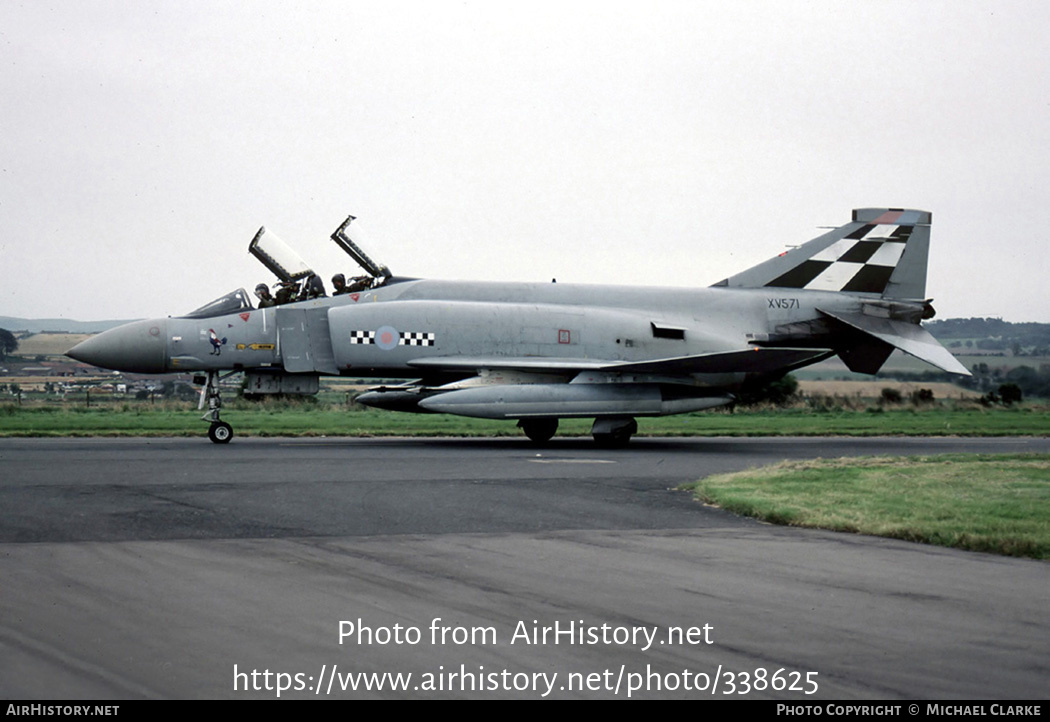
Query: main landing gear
x,y
613,432
539,430
219,432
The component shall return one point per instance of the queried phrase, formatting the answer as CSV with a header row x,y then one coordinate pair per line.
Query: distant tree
x,y
1010,394
780,392
991,344
922,396
177,390
890,396
8,343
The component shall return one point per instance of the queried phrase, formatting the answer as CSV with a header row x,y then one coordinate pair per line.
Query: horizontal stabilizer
x,y
908,337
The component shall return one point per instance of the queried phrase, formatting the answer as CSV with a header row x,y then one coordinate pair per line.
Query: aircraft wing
x,y
756,359
750,360
519,363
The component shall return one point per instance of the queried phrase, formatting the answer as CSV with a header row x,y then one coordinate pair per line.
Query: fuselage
x,y
397,329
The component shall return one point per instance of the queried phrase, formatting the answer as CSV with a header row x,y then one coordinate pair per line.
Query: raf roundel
x,y
387,338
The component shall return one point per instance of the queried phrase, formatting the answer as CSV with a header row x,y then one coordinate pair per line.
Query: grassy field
x,y
323,419
869,390
989,503
49,344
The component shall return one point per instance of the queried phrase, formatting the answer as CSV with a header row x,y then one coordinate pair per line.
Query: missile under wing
x,y
540,352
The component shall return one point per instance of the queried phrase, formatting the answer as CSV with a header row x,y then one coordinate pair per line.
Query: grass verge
x,y
980,502
319,419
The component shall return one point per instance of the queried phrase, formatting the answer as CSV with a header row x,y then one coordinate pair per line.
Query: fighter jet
x,y
540,352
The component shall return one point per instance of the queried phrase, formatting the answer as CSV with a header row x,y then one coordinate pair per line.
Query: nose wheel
x,y
219,431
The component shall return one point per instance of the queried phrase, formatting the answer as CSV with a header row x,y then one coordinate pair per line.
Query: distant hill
x,y
978,327
62,325
992,334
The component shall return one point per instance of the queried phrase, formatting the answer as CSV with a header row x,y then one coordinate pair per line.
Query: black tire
x,y
618,440
539,430
220,432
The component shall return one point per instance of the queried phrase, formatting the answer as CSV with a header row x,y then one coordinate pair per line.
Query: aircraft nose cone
x,y
138,347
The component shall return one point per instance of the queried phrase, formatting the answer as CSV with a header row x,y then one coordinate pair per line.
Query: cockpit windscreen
x,y
232,302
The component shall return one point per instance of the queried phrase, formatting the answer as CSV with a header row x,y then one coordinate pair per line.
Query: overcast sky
x,y
142,144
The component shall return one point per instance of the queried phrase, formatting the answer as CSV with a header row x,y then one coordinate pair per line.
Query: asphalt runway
x,y
175,568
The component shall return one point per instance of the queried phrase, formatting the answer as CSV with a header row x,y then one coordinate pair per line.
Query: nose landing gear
x,y
219,431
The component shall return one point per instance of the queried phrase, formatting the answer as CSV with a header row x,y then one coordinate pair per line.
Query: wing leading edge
x,y
750,360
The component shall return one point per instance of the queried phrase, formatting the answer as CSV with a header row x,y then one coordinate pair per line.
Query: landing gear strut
x,y
539,430
614,432
219,432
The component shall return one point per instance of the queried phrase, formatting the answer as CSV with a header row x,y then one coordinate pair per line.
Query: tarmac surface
x,y
175,568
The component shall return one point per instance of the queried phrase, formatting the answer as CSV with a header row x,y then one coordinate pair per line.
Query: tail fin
x,y
882,251
881,257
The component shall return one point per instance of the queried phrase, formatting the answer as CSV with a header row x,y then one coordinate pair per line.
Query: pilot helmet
x,y
262,289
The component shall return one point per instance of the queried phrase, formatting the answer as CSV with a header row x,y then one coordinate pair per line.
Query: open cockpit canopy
x,y
278,256
351,244
290,268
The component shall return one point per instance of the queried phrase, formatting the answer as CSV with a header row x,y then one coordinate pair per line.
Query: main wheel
x,y
613,433
539,430
220,432
616,440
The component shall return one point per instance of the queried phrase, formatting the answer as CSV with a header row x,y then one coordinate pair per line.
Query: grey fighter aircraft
x,y
540,352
